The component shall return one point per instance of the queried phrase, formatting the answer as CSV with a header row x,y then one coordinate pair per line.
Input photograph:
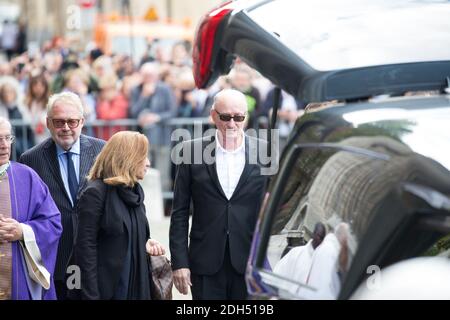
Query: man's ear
x,y
211,116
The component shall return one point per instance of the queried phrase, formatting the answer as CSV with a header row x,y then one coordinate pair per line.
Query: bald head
x,y
228,98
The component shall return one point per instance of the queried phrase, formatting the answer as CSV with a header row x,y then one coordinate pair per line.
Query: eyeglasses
x,y
7,139
227,117
61,123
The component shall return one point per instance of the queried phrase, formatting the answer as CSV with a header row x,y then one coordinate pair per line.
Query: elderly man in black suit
x,y
226,190
63,162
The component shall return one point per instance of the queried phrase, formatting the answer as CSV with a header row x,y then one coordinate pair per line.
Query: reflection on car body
x,y
394,198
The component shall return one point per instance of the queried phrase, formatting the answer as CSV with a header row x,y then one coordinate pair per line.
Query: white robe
x,y
324,270
295,265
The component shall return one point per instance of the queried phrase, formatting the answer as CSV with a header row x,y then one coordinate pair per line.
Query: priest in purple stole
x,y
30,227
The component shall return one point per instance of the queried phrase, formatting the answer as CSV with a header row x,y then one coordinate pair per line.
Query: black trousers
x,y
226,284
61,289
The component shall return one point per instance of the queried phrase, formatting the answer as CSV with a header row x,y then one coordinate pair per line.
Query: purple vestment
x,y
32,204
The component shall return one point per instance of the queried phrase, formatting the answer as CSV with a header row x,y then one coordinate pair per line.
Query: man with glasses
x,y
226,192
30,228
63,162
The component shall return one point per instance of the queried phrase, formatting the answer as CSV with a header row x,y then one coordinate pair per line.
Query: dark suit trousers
x,y
226,284
61,289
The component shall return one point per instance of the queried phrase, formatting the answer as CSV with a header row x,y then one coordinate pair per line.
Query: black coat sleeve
x,y
90,209
179,222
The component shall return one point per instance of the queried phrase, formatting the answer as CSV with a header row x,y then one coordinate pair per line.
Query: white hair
x,y
4,121
67,97
15,85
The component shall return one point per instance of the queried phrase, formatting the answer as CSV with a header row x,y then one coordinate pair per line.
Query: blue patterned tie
x,y
72,177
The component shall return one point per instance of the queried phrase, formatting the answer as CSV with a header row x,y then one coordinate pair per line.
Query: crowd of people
x,y
115,87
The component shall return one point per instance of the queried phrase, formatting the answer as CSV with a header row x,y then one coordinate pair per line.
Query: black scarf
x,y
137,226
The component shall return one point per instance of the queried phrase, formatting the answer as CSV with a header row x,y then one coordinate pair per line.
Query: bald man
x,y
226,189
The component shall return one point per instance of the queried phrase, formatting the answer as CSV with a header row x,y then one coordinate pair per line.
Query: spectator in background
x,y
124,66
52,64
21,42
290,110
180,55
148,54
35,106
111,105
77,81
9,38
102,65
11,109
60,45
153,103
71,62
189,98
94,54
128,84
5,69
21,71
241,80
59,67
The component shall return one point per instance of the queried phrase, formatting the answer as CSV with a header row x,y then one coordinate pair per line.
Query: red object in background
x,y
205,37
40,128
86,4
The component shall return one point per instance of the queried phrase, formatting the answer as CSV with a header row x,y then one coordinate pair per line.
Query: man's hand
x,y
148,119
10,230
154,248
182,280
147,89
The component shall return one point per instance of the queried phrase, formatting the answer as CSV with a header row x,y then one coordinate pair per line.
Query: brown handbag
x,y
161,278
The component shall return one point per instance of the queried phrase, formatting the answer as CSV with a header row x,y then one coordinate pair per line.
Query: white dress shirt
x,y
229,166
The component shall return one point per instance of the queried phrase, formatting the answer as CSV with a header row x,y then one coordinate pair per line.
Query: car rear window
x,y
331,35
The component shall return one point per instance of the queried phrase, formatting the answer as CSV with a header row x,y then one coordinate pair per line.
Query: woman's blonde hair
x,y
120,159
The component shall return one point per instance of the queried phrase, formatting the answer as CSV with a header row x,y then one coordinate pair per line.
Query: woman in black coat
x,y
113,242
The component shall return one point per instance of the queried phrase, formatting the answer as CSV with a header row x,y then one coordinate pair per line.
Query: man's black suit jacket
x,y
43,159
214,218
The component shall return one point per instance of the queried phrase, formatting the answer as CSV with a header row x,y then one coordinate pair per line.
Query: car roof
x,y
290,43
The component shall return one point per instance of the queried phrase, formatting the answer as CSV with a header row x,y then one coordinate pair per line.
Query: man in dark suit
x,y
226,188
63,162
